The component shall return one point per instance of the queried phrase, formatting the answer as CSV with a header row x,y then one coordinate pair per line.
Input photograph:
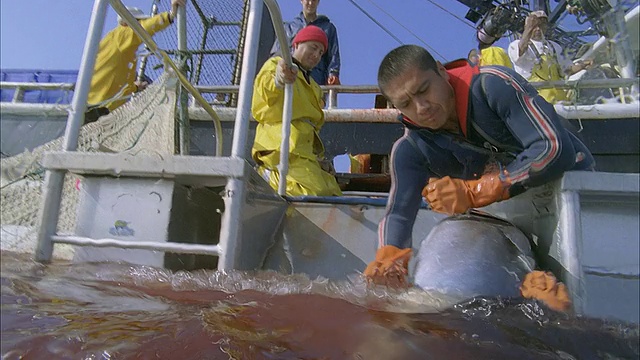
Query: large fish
x,y
471,255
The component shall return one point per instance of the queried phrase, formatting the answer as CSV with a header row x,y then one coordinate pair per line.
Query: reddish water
x,y
115,311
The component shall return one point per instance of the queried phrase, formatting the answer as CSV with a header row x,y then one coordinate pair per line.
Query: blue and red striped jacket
x,y
504,123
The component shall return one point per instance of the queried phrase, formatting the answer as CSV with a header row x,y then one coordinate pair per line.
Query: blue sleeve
x,y
334,52
548,150
409,175
291,29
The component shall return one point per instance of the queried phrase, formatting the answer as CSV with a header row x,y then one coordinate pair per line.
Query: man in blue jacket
x,y
473,136
327,72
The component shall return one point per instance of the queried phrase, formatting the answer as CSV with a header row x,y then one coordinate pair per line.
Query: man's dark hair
x,y
398,60
472,52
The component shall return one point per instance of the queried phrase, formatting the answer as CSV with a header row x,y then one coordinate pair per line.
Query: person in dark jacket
x,y
473,136
327,72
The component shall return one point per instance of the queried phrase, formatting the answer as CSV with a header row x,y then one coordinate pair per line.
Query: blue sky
x,y
45,34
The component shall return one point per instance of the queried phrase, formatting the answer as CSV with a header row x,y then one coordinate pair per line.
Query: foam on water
x,y
100,310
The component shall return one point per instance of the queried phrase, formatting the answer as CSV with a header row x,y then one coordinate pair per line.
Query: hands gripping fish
x,y
473,254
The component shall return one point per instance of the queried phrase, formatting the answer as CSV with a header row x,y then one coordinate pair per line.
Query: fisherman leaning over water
x,y
306,151
114,75
473,136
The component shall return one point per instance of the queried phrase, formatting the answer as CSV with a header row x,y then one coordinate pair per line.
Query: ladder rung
x,y
146,245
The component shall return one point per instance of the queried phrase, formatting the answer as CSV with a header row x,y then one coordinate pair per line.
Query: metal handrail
x,y
36,85
287,110
183,248
609,111
374,89
350,89
146,38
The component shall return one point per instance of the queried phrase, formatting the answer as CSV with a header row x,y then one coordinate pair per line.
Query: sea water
x,y
124,311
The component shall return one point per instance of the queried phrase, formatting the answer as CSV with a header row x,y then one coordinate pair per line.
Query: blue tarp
x,y
39,76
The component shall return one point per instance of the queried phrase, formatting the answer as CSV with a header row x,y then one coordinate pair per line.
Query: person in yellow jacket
x,y
538,59
114,74
490,55
306,175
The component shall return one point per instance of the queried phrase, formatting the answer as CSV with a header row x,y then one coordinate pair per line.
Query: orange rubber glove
x,y
544,287
390,267
455,196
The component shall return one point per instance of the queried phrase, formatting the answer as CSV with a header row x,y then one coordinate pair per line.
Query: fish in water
x,y
470,255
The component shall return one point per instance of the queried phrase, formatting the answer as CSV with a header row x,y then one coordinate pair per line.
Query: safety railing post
x,y
619,36
184,130
283,166
333,99
54,180
231,231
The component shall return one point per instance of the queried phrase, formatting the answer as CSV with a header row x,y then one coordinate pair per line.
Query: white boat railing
x,y
332,90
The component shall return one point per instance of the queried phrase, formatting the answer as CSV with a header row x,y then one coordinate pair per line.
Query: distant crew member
x,y
489,55
114,75
539,59
327,72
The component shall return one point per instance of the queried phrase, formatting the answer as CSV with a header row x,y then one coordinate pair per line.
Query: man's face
x,y
309,6
309,53
540,30
425,97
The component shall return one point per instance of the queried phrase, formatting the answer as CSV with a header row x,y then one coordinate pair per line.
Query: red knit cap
x,y
312,33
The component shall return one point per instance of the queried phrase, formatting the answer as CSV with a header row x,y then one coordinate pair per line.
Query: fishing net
x,y
214,32
144,125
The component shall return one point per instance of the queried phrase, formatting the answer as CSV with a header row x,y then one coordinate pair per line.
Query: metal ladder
x,y
233,170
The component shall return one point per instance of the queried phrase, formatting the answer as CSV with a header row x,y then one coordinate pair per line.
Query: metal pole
x,y
231,229
570,242
617,32
247,74
183,114
333,99
283,167
54,180
143,62
119,7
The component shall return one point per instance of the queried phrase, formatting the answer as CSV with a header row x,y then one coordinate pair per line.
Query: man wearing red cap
x,y
306,176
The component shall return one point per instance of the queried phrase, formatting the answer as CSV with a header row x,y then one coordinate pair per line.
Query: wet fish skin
x,y
471,255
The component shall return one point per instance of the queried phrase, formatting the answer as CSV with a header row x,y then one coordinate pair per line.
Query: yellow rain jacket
x,y
305,176
495,55
547,68
115,70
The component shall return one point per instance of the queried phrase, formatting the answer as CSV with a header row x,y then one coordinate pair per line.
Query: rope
x,y
409,30
450,13
377,23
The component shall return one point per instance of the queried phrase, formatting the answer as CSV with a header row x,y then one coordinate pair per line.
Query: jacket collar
x,y
461,73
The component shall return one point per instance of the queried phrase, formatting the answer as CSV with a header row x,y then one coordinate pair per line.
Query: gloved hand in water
x,y
390,267
455,196
544,287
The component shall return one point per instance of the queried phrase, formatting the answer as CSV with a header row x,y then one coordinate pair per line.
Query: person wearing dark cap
x,y
114,75
306,152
